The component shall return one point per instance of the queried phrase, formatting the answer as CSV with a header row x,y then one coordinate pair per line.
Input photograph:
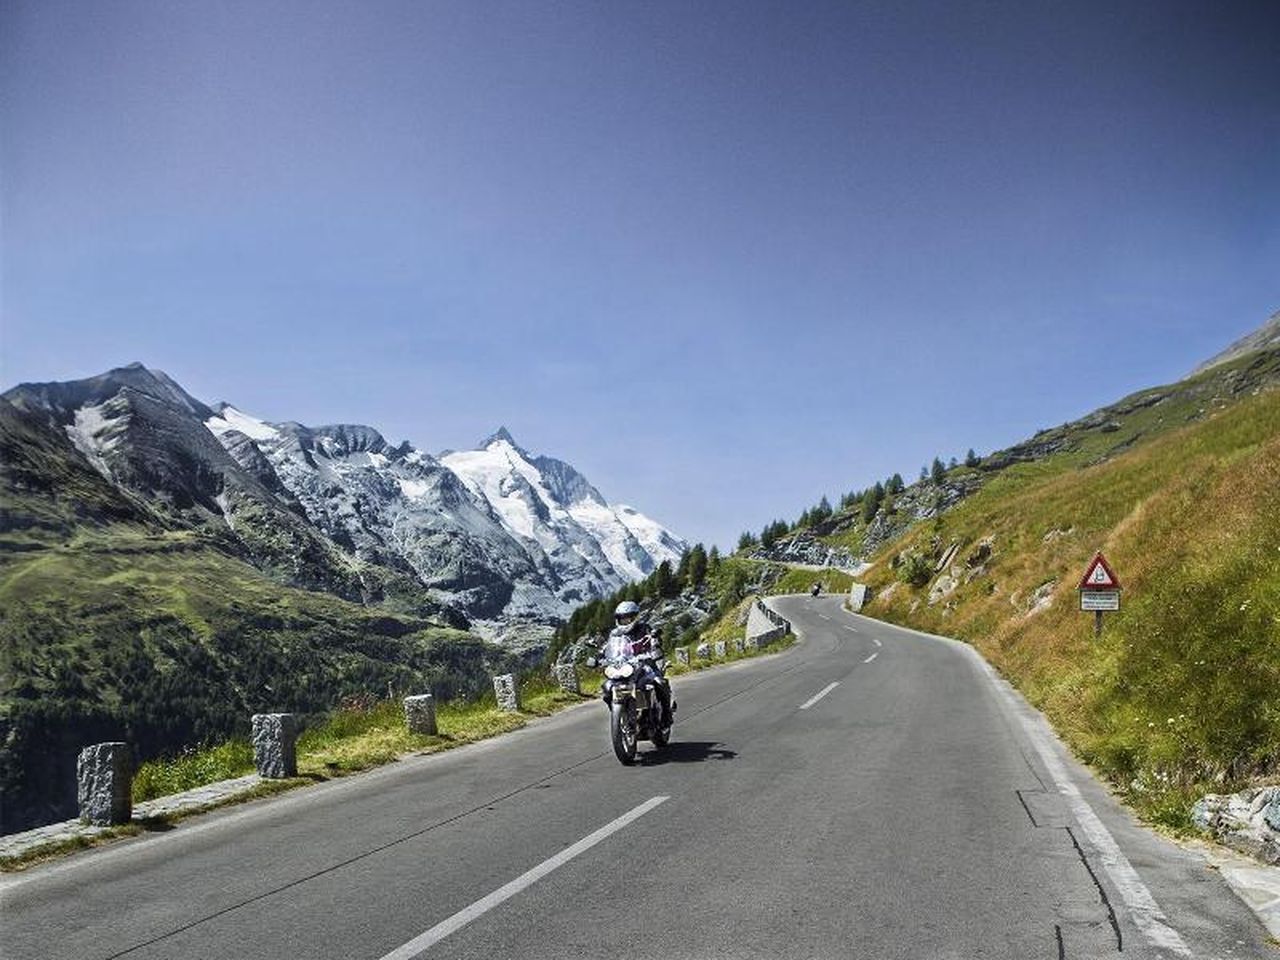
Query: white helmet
x,y
626,614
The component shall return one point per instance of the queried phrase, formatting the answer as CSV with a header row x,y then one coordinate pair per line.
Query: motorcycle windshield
x,y
619,648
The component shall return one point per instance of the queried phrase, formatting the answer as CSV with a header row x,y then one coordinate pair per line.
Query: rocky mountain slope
x,y
509,541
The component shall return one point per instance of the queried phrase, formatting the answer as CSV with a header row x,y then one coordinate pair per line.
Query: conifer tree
x,y
938,471
971,458
697,572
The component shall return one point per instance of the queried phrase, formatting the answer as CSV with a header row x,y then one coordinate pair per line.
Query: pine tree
x,y
971,459
697,572
747,541
938,471
953,463
924,474
895,484
665,584
871,502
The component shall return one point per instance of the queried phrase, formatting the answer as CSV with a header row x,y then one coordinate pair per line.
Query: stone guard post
x,y
420,714
567,677
682,655
104,773
507,691
275,745
721,649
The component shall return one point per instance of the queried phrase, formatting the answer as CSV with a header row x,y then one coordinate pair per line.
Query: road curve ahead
x,y
872,793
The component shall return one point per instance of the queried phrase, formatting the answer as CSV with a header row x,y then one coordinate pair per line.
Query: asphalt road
x,y
872,793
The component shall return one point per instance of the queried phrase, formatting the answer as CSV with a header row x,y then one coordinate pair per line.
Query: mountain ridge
x,y
341,497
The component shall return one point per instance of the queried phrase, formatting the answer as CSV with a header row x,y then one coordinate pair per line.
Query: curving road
x,y
872,793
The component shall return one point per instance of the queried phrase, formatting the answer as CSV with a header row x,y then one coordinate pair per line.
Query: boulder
x,y
1248,821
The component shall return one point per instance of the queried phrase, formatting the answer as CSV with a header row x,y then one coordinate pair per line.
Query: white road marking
x,y
1146,913
876,642
850,629
482,906
819,695
872,657
824,616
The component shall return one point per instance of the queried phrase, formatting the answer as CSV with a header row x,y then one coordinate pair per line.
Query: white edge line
x,y
819,695
464,916
1146,913
872,657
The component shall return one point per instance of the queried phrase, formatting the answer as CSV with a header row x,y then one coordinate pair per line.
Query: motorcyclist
x,y
647,646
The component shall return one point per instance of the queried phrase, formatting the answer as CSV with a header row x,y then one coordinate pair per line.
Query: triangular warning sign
x,y
1100,576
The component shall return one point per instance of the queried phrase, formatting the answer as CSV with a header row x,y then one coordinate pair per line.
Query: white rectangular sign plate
x,y
1099,599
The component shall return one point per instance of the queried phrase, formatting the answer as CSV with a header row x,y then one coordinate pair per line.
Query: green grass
x,y
797,580
162,641
356,738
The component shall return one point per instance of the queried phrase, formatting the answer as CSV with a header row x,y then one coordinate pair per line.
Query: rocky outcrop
x,y
1248,821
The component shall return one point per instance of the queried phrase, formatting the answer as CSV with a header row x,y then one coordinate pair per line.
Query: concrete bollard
x,y
420,714
720,648
736,644
703,651
507,691
567,677
104,773
275,745
682,655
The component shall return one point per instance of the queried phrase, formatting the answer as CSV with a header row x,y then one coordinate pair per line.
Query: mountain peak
x,y
501,435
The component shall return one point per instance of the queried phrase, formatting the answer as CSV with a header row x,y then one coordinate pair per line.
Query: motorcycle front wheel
x,y
622,731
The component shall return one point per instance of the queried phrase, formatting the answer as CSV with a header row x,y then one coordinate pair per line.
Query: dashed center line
x,y
819,695
876,642
851,629
872,657
824,616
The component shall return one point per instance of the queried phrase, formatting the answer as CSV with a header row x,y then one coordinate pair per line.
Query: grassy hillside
x,y
1182,692
160,639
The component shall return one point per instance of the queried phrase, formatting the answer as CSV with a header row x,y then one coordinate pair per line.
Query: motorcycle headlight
x,y
619,671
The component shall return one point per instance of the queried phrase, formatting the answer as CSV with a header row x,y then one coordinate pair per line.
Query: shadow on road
x,y
685,751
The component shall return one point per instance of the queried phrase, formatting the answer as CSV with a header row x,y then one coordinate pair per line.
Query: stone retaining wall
x,y
765,625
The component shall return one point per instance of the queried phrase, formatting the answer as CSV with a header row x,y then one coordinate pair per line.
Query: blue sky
x,y
723,257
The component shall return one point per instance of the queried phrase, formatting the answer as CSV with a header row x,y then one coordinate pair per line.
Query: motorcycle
x,y
630,692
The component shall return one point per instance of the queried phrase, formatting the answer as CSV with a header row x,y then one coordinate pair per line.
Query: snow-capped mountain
x,y
548,501
513,542
509,538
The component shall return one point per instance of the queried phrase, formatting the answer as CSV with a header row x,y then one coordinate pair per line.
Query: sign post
x,y
1099,590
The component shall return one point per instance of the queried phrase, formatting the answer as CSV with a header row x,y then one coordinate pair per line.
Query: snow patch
x,y
233,419
88,434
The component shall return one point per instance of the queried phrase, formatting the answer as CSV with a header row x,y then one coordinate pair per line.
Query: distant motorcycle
x,y
629,690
